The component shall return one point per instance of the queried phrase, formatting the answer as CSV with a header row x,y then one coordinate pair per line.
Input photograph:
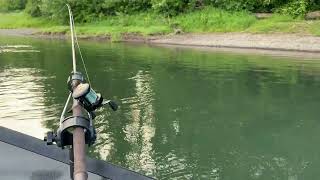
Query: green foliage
x,y
314,5
235,5
315,30
116,26
33,8
12,5
172,7
83,10
295,8
21,20
3,5
205,20
248,5
214,20
91,10
113,7
277,23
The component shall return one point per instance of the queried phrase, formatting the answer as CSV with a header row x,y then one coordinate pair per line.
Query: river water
x,y
184,113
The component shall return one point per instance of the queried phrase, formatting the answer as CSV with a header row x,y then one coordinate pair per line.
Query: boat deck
x,y
25,157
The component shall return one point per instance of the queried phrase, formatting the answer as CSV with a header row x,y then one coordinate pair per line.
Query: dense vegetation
x,y
87,10
149,17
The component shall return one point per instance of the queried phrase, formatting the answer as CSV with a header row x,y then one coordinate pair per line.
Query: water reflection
x,y
21,106
17,49
140,129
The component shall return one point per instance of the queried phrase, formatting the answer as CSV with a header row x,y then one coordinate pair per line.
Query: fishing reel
x,y
86,95
90,101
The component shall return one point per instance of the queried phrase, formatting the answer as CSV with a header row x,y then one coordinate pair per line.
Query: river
x,y
184,113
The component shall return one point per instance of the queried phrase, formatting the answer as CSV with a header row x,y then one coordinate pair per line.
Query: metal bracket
x,y
74,76
64,137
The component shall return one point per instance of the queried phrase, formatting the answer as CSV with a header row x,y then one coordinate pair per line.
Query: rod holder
x,y
63,137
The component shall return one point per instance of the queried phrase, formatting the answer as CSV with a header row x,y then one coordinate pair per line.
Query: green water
x,y
184,114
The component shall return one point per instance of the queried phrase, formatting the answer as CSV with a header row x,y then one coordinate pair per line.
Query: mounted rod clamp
x,y
64,136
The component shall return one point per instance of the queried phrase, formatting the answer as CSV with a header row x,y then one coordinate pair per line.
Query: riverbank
x,y
280,42
205,28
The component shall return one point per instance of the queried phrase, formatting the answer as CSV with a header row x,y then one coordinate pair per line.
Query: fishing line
x,y
60,10
84,65
73,32
74,63
65,108
79,49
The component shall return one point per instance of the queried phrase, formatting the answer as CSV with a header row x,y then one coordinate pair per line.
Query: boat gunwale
x,y
98,167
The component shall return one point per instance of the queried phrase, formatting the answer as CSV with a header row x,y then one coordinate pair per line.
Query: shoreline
x,y
279,43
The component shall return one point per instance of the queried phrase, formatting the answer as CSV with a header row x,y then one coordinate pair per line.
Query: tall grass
x,y
22,20
214,20
143,23
279,23
202,21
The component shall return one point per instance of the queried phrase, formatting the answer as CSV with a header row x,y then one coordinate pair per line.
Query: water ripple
x,y
22,107
17,49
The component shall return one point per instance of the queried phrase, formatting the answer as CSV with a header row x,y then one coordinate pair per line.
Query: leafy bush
x,y
234,5
248,5
12,5
89,10
113,7
295,8
172,7
33,8
314,5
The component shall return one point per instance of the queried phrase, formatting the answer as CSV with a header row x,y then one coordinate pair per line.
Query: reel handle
x,y
113,105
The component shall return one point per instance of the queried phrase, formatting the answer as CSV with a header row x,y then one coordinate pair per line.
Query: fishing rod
x,y
77,131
